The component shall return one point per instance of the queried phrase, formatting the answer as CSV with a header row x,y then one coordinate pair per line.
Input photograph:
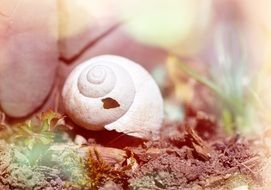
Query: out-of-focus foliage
x,y
229,78
235,113
176,25
183,89
173,91
231,73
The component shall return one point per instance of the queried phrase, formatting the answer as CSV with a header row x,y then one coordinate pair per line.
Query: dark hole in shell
x,y
109,103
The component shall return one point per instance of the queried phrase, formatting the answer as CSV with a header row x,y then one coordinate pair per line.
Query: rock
x,y
110,185
82,22
80,140
242,187
28,54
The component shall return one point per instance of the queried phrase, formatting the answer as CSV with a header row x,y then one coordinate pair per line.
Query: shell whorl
x,y
96,81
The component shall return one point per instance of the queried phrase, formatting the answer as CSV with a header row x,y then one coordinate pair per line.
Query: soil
x,y
195,154
186,161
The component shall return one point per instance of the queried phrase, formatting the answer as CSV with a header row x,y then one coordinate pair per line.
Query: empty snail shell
x,y
114,93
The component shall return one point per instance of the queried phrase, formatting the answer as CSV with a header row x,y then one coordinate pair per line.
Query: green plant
x,y
33,138
236,109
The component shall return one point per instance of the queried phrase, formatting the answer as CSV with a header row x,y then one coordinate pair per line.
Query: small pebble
x,y
79,140
242,187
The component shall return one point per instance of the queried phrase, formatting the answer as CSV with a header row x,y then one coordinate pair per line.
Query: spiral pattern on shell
x,y
96,81
129,91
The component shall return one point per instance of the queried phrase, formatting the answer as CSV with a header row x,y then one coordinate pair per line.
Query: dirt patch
x,y
182,159
192,163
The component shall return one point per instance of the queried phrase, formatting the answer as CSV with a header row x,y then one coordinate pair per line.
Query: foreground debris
x,y
182,159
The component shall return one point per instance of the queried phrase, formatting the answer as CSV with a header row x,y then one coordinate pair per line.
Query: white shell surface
x,y
140,110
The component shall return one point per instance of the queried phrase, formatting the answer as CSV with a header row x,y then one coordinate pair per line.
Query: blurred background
x,y
209,55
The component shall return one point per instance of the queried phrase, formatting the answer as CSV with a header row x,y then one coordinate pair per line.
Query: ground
x,y
194,154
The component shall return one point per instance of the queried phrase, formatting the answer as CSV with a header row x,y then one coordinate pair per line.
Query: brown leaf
x,y
202,149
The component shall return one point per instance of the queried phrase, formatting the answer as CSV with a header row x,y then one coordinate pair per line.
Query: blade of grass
x,y
233,107
194,74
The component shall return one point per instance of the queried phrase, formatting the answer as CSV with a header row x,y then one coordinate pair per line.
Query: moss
x,y
20,175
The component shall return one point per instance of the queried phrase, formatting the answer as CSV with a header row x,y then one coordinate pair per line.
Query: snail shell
x,y
114,93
